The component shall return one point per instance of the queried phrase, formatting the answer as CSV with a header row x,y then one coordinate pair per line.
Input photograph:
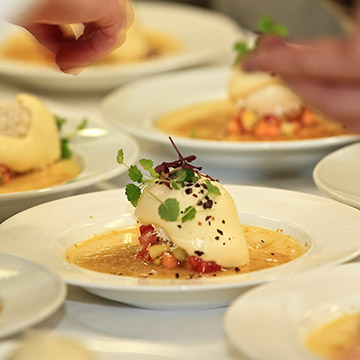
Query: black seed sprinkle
x,y
209,223
262,241
217,237
202,191
200,203
220,231
199,253
194,195
208,204
237,269
177,275
272,253
188,191
223,221
208,217
179,226
223,243
197,185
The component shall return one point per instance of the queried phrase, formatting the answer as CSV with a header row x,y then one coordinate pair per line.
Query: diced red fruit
x,y
203,266
147,238
6,174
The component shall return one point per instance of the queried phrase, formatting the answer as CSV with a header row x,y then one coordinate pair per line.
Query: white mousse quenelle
x,y
186,215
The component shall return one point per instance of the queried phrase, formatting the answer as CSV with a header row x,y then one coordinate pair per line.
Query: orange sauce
x,y
114,252
54,174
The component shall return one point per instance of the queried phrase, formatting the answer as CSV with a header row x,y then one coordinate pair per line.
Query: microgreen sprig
x,y
66,152
176,175
265,26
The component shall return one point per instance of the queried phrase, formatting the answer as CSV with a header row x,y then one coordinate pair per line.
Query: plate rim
x,y
344,197
47,311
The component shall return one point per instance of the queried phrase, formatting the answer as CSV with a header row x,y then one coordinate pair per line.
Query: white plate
x,y
205,36
305,217
273,321
338,175
95,150
164,93
29,293
107,348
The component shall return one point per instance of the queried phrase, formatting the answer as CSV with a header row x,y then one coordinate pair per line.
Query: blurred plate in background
x,y
204,36
338,175
136,107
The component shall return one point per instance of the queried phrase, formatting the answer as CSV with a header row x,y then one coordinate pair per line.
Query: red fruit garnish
x,y
203,266
147,238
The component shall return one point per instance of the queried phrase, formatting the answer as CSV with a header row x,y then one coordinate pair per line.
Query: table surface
x,y
188,333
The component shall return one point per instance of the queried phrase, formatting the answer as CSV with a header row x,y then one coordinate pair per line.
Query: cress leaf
x,y
135,174
82,125
60,121
120,156
267,26
146,164
153,173
133,193
174,185
212,189
169,210
66,153
189,214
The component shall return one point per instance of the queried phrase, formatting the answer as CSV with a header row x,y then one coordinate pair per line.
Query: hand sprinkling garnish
x,y
175,175
265,26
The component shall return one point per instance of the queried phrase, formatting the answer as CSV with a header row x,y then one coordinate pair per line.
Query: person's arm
x,y
324,72
105,23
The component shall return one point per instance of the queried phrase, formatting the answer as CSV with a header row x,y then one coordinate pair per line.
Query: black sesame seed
x,y
179,226
220,231
188,191
262,241
208,217
194,195
223,221
208,204
177,275
217,237
209,223
199,253
197,185
237,269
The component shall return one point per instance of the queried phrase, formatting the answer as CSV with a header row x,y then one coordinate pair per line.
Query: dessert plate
x,y
29,293
338,175
274,320
94,149
204,36
304,217
167,92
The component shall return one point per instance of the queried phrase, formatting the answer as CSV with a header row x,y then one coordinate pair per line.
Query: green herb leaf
x,y
153,173
189,214
267,26
133,193
184,175
212,189
135,174
82,125
60,121
66,153
146,164
120,156
169,210
174,185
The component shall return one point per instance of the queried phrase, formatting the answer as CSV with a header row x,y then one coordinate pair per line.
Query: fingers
x,y
340,102
105,23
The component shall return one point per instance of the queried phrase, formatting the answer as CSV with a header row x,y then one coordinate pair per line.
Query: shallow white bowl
x,y
96,155
29,293
273,321
338,175
167,92
53,227
205,36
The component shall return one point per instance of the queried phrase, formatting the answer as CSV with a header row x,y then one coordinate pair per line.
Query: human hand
x,y
324,72
105,23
